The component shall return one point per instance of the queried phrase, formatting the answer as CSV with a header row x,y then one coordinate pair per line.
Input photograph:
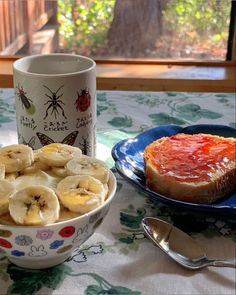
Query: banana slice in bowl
x,y
6,190
37,178
58,154
34,205
36,165
81,193
11,176
59,171
88,166
2,171
16,157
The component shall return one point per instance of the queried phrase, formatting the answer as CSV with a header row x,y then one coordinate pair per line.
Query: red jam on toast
x,y
192,158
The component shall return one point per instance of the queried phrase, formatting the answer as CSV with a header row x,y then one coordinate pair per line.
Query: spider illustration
x,y
54,103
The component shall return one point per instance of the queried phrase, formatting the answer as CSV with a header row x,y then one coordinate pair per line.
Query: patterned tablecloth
x,y
118,259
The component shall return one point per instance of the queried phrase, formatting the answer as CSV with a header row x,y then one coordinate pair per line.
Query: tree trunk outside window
x,y
136,26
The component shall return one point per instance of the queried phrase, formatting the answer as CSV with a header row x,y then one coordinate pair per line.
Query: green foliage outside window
x,y
83,27
199,22
201,25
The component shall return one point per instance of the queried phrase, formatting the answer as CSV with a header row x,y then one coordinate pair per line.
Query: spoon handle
x,y
223,263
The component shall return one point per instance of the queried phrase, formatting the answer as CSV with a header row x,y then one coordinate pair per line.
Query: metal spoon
x,y
178,245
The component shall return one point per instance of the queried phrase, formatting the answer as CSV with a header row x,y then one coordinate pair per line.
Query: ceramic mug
x,y
55,98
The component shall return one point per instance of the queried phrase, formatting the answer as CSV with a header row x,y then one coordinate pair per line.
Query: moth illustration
x,y
30,143
69,139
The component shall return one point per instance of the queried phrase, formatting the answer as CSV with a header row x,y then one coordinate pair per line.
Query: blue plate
x,y
128,156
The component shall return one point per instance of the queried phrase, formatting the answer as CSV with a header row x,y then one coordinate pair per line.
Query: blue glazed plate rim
x,y
127,155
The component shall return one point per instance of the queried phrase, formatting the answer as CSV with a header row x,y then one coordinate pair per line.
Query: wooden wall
x,y
19,20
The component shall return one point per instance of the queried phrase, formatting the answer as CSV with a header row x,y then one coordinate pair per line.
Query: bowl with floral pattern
x,y
45,246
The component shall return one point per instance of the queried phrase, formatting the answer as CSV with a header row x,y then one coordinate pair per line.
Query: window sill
x,y
152,75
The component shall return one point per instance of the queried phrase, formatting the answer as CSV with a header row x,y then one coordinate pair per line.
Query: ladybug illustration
x,y
83,100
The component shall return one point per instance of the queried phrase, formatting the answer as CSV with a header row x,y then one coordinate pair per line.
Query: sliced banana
x,y
2,171
6,190
35,188
11,176
59,171
16,157
37,178
36,165
106,188
34,205
88,166
6,219
66,214
58,154
81,193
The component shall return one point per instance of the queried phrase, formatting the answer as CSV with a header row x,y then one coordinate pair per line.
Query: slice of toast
x,y
199,168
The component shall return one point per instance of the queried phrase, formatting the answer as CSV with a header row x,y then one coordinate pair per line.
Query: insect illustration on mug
x,y
69,139
83,100
30,143
85,146
27,103
54,102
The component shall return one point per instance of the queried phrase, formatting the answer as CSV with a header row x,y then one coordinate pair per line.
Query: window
x,y
143,29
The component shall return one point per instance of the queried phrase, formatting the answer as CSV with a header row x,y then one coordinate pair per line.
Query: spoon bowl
x,y
179,245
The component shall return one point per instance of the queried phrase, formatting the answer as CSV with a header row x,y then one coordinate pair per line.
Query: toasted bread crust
x,y
219,185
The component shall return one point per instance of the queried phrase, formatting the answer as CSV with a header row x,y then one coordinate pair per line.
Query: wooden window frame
x,y
231,49
152,75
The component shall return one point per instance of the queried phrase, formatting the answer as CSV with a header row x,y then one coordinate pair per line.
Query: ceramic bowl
x,y
39,247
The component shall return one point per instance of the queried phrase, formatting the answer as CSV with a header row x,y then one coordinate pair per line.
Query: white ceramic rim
x,y
111,195
16,65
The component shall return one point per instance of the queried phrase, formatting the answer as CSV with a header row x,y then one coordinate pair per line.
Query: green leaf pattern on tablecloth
x,y
160,108
101,109
101,97
3,267
26,282
165,119
7,109
232,124
132,219
194,112
121,122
